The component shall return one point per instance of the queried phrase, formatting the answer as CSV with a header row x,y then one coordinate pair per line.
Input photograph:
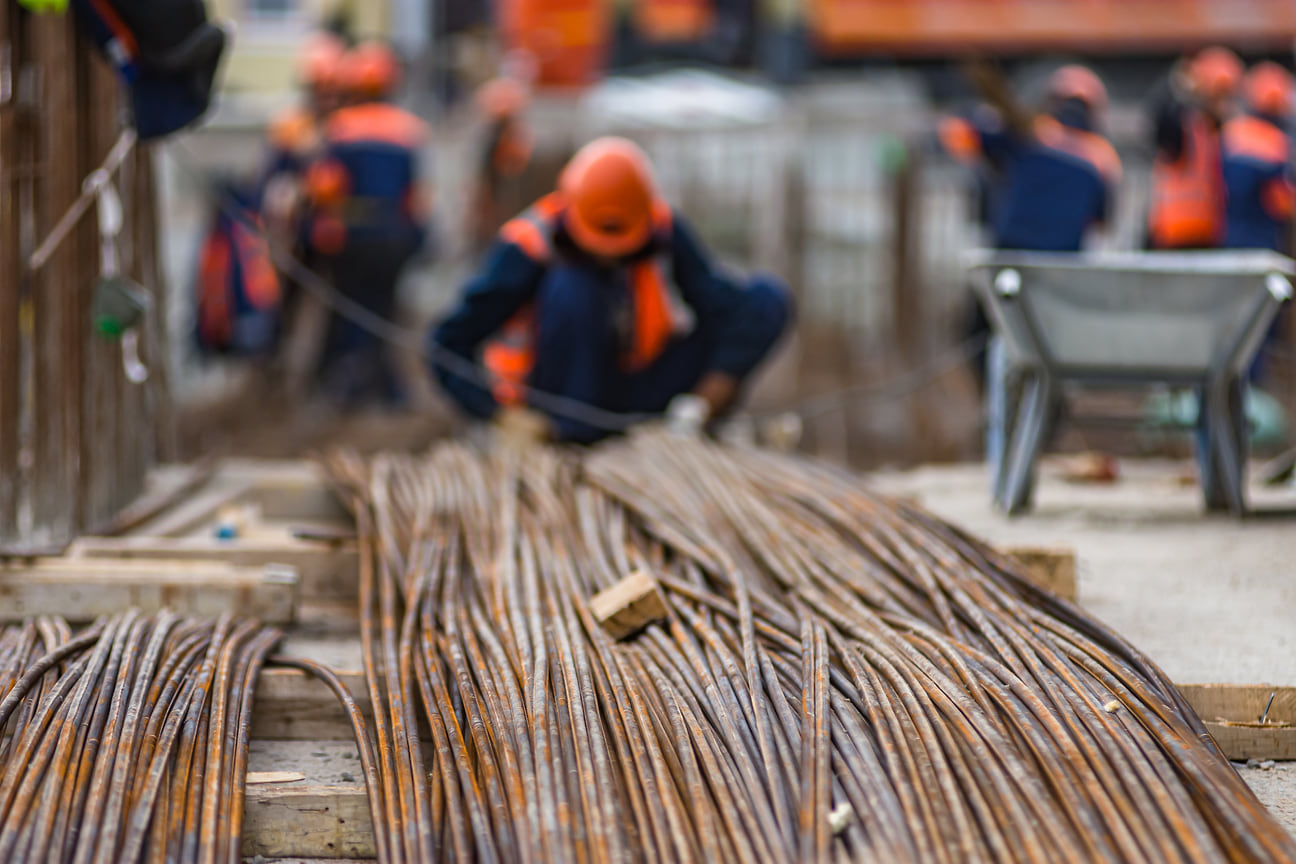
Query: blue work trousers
x,y
578,353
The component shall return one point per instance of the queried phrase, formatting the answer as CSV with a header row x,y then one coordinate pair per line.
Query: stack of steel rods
x,y
129,742
837,677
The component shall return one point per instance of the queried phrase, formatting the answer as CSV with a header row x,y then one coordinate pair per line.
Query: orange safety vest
x,y
510,356
1187,207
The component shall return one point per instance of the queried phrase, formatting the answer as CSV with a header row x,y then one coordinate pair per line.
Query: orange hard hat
x,y
1079,82
320,61
370,70
1269,89
502,97
1216,72
610,195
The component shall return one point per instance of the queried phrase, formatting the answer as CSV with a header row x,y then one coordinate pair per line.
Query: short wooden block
x,y
629,605
1051,568
1232,714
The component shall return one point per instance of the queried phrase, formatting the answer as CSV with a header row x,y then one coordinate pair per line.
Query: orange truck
x,y
570,38
943,27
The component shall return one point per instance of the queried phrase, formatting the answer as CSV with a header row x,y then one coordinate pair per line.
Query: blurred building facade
x,y
270,33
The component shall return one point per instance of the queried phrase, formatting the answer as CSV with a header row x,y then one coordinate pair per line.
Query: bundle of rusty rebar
x,y
128,742
838,677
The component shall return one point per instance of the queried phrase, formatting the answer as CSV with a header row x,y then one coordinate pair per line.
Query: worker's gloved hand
x,y
522,427
782,432
687,414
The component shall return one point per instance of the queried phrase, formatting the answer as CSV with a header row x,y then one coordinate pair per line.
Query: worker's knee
x,y
771,307
572,300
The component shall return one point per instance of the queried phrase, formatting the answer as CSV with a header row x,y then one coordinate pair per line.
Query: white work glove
x,y
687,414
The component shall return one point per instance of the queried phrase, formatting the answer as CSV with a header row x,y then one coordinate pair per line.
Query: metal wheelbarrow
x,y
1193,319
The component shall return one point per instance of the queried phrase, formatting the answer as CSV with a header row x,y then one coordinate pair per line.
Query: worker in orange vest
x,y
369,218
1187,196
602,294
1257,153
505,155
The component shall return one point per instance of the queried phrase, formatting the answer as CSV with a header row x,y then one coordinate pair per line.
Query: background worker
x,y
1186,210
295,142
369,218
601,293
296,134
505,155
1056,173
1256,158
1055,177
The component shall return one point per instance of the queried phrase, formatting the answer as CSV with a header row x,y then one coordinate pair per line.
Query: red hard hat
x,y
1079,82
610,195
502,97
320,61
1216,72
1269,89
370,70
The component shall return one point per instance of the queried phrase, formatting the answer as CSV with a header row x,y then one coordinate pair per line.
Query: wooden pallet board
x,y
325,815
1232,712
326,571
83,589
292,706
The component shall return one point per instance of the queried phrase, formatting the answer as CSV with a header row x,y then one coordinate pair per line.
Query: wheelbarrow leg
x,y
1224,471
1003,392
1027,440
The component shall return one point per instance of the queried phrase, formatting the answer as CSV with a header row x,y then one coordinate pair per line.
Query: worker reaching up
x,y
1187,196
1056,173
1051,178
601,293
369,217
1055,178
1256,157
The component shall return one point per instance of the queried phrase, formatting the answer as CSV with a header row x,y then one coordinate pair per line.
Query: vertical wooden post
x,y
907,290
906,295
12,164
111,411
57,347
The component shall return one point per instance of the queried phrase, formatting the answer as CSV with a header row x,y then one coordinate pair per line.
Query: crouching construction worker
x,y
369,219
602,294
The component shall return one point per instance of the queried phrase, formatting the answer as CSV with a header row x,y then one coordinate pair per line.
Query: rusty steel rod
x,y
106,756
837,676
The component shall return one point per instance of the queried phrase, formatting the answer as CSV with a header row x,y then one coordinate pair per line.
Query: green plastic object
x,y
1178,410
118,305
59,6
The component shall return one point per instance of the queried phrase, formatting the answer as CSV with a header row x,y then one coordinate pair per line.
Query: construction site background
x,y
837,184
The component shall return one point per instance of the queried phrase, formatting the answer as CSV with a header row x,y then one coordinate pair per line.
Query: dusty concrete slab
x,y
1210,598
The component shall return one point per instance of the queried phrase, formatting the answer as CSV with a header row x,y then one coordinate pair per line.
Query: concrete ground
x,y
1211,599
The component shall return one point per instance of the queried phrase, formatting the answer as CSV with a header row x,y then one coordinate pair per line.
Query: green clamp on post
x,y
118,305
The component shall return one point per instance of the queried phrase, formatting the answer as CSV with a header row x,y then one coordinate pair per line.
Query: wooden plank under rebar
x,y
325,571
1232,713
299,821
81,590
